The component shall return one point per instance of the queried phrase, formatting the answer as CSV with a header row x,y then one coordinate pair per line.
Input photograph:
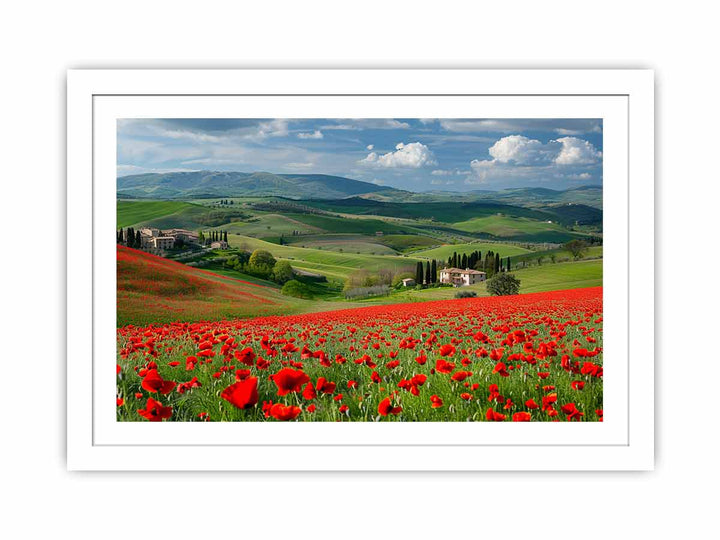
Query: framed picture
x,y
360,270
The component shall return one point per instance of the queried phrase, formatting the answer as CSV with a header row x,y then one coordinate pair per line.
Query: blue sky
x,y
412,154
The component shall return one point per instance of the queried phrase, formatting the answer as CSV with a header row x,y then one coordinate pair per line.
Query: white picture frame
x,y
623,98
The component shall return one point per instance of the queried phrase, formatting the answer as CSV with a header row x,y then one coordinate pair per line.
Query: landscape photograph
x,y
372,269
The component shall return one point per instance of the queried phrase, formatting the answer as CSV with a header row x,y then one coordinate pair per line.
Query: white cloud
x,y
317,134
308,165
274,128
519,149
370,146
412,156
577,152
367,123
562,126
441,172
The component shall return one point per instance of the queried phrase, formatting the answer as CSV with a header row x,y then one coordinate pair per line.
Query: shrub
x,y
297,289
465,294
503,284
282,272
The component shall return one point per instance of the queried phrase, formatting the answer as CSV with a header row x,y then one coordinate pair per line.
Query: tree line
x,y
491,264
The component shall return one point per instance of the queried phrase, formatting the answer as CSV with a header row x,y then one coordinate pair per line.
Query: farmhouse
x,y
162,242
461,278
408,282
219,245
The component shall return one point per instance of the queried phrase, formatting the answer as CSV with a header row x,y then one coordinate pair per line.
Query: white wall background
x,y
40,40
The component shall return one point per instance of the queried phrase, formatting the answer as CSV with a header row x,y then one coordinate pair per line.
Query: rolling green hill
x,y
206,184
134,212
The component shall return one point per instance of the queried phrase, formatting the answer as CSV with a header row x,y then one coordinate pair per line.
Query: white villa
x,y
461,278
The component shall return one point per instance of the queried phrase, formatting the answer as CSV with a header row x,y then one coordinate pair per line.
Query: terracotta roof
x,y
459,271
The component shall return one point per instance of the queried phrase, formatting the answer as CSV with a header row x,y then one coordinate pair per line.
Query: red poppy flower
x,y
571,411
242,374
375,377
154,411
309,391
466,396
461,376
435,402
284,413
441,366
289,380
246,356
311,408
421,359
500,369
530,404
343,409
385,407
153,382
577,385
324,386
120,402
447,350
242,394
521,416
493,416
352,384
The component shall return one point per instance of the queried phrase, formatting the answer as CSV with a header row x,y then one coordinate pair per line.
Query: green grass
x,y
406,242
334,265
594,252
548,277
135,212
519,229
269,225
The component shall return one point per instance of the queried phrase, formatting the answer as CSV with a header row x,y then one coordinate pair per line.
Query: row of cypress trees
x,y
491,264
427,275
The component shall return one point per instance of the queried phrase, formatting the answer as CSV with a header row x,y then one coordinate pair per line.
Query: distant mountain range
x,y
211,184
208,184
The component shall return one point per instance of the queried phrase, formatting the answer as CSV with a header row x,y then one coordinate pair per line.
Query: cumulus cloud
x,y
577,152
317,134
519,149
517,156
411,156
370,146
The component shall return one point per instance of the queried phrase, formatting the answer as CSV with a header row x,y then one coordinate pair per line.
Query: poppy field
x,y
532,357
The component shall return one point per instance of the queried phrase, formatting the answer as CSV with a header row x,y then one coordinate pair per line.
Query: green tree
x,y
433,272
419,273
297,289
428,280
138,240
282,272
576,247
503,284
225,236
261,262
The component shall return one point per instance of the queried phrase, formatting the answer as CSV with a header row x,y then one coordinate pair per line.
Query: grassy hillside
x,y
151,289
337,266
518,229
549,277
135,212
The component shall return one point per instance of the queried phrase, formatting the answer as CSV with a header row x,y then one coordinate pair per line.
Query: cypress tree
x,y
497,262
138,240
427,273
419,273
433,272
225,237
